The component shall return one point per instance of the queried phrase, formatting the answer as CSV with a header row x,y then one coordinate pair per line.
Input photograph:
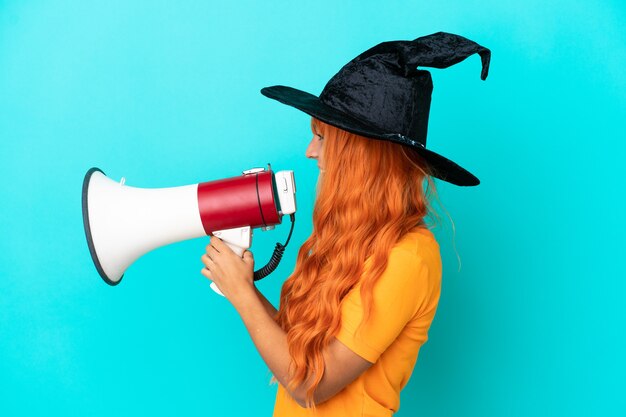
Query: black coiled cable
x,y
276,256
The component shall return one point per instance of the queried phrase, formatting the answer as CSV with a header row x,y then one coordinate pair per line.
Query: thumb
x,y
248,257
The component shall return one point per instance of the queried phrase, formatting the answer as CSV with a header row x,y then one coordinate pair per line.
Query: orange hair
x,y
371,194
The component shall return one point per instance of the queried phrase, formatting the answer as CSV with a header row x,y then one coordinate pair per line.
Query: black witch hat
x,y
382,95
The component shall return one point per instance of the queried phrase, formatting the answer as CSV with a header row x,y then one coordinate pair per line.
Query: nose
x,y
312,149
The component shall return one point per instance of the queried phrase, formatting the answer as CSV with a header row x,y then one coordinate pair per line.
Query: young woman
x,y
358,306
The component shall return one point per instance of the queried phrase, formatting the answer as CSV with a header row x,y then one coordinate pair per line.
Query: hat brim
x,y
441,167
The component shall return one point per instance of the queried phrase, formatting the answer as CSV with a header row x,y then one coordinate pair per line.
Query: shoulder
x,y
418,246
419,240
415,262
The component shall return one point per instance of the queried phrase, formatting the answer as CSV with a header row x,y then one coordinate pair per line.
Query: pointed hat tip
x,y
485,58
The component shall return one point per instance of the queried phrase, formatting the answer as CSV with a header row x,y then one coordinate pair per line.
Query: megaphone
x,y
123,223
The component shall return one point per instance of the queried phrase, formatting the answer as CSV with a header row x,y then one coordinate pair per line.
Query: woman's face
x,y
315,149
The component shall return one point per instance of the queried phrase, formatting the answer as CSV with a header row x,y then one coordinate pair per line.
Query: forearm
x,y
268,337
271,310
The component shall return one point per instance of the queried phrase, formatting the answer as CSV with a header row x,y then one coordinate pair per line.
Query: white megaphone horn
x,y
123,223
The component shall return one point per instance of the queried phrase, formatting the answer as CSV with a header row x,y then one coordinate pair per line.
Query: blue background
x,y
531,319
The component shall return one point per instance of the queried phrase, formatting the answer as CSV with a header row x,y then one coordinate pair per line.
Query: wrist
x,y
244,298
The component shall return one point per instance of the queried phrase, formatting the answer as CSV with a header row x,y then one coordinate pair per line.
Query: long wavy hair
x,y
371,194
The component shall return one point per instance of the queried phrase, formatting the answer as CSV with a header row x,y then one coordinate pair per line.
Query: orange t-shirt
x,y
405,301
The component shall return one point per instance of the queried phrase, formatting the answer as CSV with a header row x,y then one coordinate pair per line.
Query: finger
x,y
212,252
216,242
210,247
206,260
206,273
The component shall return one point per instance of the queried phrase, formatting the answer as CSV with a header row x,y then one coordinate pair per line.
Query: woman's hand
x,y
232,274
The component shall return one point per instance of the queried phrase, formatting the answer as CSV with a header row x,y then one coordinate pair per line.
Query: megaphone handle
x,y
237,249
214,288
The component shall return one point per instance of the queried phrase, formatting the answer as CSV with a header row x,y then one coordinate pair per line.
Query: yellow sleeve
x,y
400,291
